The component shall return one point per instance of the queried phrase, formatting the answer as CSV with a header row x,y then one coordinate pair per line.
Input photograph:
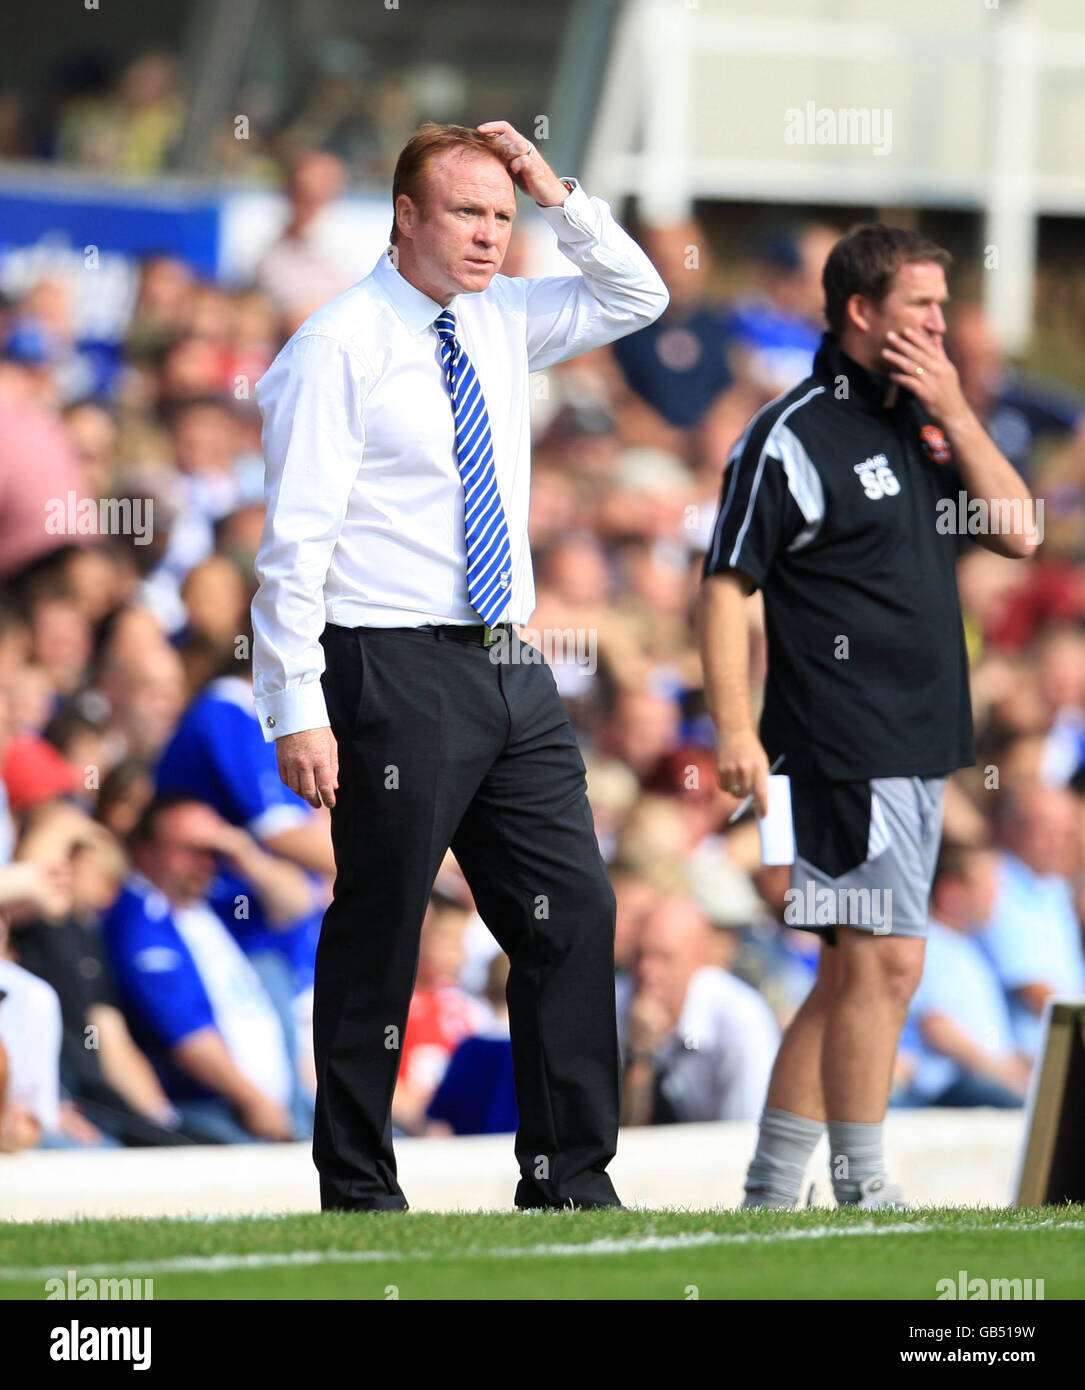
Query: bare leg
x,y
876,978
878,975
793,1119
796,1084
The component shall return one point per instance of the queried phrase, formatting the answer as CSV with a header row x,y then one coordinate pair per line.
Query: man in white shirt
x,y
394,561
313,258
195,1003
966,1054
30,1032
700,1041
1033,937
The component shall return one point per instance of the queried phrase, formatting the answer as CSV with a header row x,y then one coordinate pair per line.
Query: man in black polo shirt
x,y
842,503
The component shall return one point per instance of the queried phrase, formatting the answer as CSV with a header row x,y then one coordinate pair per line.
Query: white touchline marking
x,y
213,1264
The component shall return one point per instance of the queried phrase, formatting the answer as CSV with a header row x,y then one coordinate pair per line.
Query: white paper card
x,y
777,830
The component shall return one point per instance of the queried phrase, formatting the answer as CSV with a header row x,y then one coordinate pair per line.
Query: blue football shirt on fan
x,y
477,1094
179,970
779,348
218,755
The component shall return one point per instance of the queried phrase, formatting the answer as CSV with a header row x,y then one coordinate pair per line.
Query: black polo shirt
x,y
830,506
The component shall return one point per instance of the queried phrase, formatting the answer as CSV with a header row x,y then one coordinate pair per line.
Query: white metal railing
x,y
694,102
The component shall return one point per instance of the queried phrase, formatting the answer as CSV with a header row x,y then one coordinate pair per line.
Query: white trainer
x,y
881,1194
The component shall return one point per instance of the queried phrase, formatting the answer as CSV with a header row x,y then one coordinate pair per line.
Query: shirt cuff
x,y
576,212
292,711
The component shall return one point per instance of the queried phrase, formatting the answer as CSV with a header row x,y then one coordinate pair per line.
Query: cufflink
x,y
271,721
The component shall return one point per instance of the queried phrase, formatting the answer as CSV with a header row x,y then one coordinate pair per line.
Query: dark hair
x,y
117,783
67,725
864,262
954,857
426,143
145,829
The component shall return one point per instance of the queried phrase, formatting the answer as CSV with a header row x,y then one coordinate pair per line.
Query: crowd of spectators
x,y
358,98
161,891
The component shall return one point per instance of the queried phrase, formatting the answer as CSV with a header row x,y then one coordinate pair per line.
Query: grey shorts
x,y
865,855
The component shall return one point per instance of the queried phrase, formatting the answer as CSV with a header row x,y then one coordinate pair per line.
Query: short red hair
x,y
426,144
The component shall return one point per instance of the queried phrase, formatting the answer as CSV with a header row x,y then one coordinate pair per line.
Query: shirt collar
x,y
416,309
866,387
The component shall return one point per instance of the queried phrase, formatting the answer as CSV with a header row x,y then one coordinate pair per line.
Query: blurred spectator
x,y
30,1033
778,960
678,365
163,307
635,895
92,431
312,261
477,1094
39,469
218,755
195,1003
773,335
132,129
43,328
715,873
141,679
700,1043
14,143
1019,411
30,1046
125,791
966,1054
642,728
60,639
441,1014
1034,936
1061,661
103,1074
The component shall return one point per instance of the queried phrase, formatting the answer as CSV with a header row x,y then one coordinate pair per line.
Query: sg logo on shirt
x,y
877,478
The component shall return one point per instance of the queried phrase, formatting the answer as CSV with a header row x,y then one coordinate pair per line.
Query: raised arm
x,y
618,290
984,470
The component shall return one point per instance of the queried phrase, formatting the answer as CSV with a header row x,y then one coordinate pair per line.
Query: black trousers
x,y
440,745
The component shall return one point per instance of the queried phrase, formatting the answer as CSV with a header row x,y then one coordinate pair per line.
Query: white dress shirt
x,y
717,1063
244,1014
31,1031
364,497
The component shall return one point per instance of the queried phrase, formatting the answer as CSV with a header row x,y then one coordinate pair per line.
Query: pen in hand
x,y
747,801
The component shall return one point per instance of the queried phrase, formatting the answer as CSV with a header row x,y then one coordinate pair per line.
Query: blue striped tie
x,y
489,557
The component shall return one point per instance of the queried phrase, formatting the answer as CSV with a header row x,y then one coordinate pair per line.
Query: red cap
x,y
33,771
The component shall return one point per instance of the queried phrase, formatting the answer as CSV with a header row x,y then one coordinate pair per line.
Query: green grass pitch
x,y
674,1254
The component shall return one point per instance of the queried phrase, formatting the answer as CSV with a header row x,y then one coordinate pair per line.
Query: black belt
x,y
478,634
